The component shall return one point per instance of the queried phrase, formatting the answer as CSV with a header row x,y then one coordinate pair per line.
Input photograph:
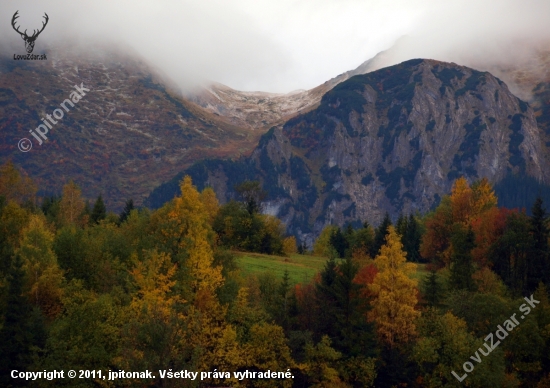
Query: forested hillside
x,y
85,289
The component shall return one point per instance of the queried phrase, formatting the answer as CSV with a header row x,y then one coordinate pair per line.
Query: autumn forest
x,y
402,304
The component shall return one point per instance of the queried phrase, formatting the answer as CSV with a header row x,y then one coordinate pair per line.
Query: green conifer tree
x,y
537,264
15,347
99,212
128,207
461,259
432,289
380,235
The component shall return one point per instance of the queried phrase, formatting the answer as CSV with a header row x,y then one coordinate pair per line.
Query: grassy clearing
x,y
301,268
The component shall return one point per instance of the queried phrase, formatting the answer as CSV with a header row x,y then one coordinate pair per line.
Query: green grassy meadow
x,y
301,268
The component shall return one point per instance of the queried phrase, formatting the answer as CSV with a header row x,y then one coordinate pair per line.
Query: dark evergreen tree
x,y
266,244
301,249
350,235
380,235
537,264
15,347
6,249
325,298
341,312
401,225
128,207
432,289
99,212
339,242
363,239
282,316
461,258
409,230
411,239
50,207
510,253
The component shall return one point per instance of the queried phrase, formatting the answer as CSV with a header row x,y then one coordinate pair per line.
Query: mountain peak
x,y
391,140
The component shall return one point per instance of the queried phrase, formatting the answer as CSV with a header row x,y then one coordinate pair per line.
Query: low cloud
x,y
280,46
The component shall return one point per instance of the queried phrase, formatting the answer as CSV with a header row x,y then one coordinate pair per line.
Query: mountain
x,y
131,132
391,140
526,71
260,110
135,129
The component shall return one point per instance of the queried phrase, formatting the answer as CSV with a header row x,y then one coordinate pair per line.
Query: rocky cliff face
x,y
391,140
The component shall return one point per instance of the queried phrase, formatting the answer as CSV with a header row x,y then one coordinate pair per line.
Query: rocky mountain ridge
x,y
391,140
130,133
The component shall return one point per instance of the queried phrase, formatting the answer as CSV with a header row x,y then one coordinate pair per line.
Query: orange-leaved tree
x,y
463,207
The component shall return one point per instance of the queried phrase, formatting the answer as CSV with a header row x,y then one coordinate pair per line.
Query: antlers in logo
x,y
29,40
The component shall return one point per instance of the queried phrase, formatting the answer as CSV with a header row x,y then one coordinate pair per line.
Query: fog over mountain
x,y
289,44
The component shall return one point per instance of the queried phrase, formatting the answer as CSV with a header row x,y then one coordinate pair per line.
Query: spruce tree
x,y
537,264
411,239
350,235
461,259
402,225
432,289
341,313
339,242
380,235
128,207
283,296
15,347
99,212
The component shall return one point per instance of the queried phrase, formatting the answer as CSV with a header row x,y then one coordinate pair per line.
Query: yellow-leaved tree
x,y
394,293
289,246
44,277
15,186
71,208
182,228
210,203
154,279
322,245
192,212
154,318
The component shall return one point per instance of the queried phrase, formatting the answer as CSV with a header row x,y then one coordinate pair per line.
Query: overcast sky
x,y
284,45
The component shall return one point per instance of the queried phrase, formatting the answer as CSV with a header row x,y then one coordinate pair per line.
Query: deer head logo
x,y
29,40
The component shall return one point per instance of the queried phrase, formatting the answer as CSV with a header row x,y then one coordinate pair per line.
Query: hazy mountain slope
x,y
128,134
260,110
391,140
